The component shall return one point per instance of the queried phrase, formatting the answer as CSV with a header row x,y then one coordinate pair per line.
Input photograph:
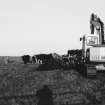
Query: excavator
x,y
93,48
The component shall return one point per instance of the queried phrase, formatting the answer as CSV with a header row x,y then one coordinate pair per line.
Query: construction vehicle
x,y
93,48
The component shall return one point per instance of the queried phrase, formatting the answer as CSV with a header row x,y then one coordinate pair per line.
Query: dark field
x,y
20,82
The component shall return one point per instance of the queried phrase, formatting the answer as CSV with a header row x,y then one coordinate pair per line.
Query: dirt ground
x,y
20,82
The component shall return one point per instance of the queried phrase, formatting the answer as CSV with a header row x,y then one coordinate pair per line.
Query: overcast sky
x,y
45,26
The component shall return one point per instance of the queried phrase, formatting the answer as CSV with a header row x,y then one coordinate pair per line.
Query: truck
x,y
93,48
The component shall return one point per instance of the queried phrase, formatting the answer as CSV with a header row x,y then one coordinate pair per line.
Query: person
x,y
44,96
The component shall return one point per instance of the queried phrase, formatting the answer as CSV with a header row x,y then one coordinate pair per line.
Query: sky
x,y
45,26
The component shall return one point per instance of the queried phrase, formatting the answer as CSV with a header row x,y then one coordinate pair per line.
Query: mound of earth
x,y
67,86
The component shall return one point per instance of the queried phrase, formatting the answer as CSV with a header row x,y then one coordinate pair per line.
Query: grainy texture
x,y
68,86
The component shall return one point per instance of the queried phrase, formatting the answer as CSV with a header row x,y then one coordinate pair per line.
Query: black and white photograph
x,y
52,52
